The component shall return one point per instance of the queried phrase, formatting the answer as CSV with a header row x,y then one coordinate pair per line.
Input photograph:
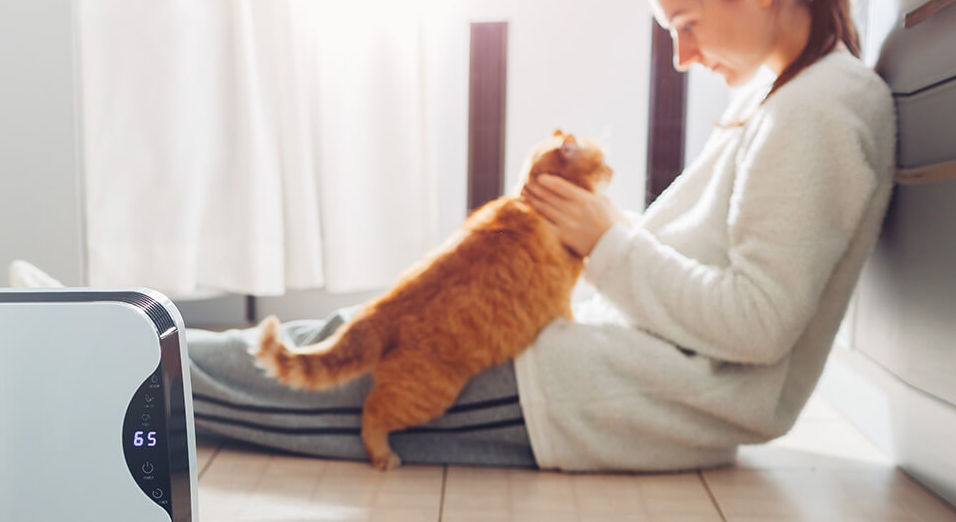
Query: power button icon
x,y
148,468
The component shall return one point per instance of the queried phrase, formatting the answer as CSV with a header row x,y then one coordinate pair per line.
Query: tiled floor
x,y
824,470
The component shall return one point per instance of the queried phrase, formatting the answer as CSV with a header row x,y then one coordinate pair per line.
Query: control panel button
x,y
157,493
148,468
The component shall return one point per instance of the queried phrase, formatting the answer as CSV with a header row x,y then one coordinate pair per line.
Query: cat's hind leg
x,y
403,396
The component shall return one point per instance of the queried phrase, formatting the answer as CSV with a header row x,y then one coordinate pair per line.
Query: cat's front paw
x,y
387,461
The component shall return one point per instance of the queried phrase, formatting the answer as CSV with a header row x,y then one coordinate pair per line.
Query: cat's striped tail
x,y
348,353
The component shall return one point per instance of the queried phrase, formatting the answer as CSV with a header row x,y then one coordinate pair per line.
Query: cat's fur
x,y
478,301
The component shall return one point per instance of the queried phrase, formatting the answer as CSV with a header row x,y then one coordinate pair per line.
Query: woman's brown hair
x,y
830,23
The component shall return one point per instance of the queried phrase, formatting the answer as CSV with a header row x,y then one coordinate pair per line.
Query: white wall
x,y
575,66
707,97
40,212
580,67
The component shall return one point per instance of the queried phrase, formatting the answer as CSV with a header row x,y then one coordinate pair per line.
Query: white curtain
x,y
253,146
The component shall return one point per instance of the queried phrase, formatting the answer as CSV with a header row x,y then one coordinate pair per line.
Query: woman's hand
x,y
580,217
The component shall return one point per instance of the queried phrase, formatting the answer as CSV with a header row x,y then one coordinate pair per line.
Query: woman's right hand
x,y
580,216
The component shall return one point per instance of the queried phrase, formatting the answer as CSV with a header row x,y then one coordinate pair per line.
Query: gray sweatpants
x,y
232,398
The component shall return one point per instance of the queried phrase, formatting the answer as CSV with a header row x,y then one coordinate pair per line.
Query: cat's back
x,y
507,234
505,260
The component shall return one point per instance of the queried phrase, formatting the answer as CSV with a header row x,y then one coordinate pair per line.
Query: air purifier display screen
x,y
144,440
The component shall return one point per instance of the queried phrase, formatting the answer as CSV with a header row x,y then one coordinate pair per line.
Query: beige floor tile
x,y
492,514
823,495
509,516
411,487
404,515
225,487
473,494
354,484
476,490
804,517
643,497
540,491
815,444
677,495
603,495
357,484
284,490
651,517
205,451
543,515
245,484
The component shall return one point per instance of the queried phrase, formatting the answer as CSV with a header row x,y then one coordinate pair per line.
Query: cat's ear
x,y
569,147
557,132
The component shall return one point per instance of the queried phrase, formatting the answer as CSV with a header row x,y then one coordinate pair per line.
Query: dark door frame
x,y
666,117
487,94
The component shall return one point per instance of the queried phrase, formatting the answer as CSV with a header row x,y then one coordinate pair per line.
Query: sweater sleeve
x,y
801,186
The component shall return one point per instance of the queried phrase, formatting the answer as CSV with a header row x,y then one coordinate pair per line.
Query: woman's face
x,y
730,37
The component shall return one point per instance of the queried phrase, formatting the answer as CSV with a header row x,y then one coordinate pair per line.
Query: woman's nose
x,y
686,52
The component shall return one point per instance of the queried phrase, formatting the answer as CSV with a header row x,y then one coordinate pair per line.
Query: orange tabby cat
x,y
478,301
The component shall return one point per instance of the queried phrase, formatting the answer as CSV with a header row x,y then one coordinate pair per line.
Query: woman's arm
x,y
798,196
580,216
800,191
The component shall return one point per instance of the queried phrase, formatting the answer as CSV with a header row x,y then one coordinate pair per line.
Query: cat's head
x,y
577,160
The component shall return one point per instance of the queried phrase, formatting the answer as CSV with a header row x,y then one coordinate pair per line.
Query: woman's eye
x,y
687,27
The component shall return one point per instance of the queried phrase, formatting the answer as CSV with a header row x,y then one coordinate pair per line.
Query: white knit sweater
x,y
717,309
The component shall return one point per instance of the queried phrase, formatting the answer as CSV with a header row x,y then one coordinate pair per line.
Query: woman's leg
x,y
233,398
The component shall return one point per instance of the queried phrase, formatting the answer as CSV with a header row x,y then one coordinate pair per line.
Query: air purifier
x,y
96,420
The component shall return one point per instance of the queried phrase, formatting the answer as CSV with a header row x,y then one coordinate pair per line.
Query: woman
x,y
740,272
716,309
